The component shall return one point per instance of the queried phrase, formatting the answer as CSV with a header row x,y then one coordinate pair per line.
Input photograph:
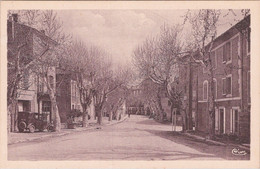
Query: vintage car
x,y
33,121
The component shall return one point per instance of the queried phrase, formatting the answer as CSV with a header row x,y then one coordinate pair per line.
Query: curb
x,y
63,134
215,142
204,139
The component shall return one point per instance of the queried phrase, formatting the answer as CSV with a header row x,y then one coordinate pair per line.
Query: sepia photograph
x,y
125,84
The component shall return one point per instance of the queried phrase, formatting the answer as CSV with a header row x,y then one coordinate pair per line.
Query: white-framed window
x,y
223,86
205,90
227,53
215,87
234,120
229,85
51,81
220,120
40,85
216,120
204,68
213,59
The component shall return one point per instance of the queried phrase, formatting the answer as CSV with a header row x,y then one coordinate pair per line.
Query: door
x,y
221,120
46,109
235,121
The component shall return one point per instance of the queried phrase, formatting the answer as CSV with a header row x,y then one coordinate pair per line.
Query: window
x,y
234,121
219,53
221,120
51,79
224,86
194,93
216,119
213,59
25,80
215,87
227,52
205,90
229,85
46,106
224,56
248,87
73,90
40,85
204,69
248,40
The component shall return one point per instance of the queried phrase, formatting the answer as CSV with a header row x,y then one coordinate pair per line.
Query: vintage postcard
x,y
122,84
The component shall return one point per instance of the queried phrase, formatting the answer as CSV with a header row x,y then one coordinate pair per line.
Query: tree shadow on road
x,y
224,152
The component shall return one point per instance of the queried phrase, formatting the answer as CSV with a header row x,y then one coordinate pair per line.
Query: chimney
x,y
15,17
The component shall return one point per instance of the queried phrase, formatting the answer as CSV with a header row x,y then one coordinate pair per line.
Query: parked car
x,y
33,121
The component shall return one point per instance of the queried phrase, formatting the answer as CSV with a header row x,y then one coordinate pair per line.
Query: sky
x,y
120,31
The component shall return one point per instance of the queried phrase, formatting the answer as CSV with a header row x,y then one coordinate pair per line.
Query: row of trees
x,y
91,65
159,57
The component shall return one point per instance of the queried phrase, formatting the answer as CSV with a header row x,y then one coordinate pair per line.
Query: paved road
x,y
137,138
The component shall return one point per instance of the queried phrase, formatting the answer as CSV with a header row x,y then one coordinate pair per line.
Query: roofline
x,y
37,31
234,26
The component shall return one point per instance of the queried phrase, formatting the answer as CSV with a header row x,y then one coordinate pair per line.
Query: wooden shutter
x,y
216,119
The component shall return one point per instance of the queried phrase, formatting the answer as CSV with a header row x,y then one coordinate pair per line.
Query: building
x,y
231,62
187,85
23,48
134,101
68,96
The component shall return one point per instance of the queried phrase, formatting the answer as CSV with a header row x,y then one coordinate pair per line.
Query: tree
x,y
107,81
157,59
81,61
115,100
204,31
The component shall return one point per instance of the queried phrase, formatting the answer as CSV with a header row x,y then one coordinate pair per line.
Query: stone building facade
x,y
231,61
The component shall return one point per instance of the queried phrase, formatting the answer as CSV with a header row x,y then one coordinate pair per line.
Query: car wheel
x,y
21,126
50,128
31,128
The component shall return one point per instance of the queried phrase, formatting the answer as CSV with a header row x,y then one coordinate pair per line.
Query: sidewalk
x,y
244,146
14,138
203,137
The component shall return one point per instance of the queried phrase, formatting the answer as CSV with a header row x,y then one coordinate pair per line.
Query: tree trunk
x,y
160,106
110,116
55,110
211,105
12,116
84,116
99,115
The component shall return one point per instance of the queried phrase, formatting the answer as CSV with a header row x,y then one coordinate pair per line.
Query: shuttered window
x,y
228,85
205,90
224,86
216,119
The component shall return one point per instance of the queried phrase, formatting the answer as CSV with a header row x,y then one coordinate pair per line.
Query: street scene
x,y
128,84
136,138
